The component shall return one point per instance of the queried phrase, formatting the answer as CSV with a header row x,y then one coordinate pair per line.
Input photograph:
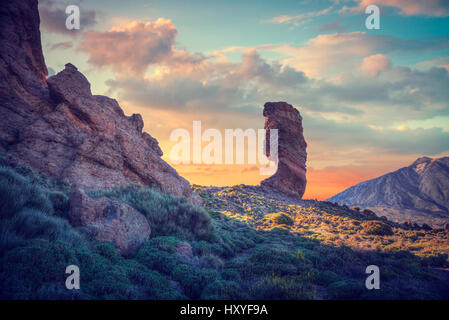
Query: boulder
x,y
290,177
109,220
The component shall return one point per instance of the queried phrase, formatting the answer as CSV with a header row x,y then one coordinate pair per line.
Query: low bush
x,y
280,218
18,192
326,277
166,214
158,254
31,224
346,289
283,288
222,290
193,280
377,228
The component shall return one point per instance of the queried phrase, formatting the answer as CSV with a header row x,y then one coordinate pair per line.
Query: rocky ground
x,y
325,221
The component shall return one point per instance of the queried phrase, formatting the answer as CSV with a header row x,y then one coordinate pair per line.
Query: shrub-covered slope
x,y
246,243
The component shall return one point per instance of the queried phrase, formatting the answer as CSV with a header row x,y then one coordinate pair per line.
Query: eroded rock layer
x,y
290,176
58,127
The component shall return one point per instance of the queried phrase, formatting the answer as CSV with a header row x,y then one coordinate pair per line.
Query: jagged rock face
x,y
419,192
290,177
109,220
58,127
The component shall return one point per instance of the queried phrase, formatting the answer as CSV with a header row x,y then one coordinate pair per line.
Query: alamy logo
x,y
373,280
188,150
373,20
73,280
73,19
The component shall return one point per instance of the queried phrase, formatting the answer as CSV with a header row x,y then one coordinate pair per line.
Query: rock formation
x,y
419,192
109,220
58,127
290,177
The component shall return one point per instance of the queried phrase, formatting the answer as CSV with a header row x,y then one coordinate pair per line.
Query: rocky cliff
x,y
290,177
419,192
58,127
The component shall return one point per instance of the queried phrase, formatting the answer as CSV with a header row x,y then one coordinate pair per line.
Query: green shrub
x,y
280,218
231,275
153,283
18,192
60,202
193,280
158,254
377,228
283,288
107,250
166,214
268,260
211,261
219,290
32,224
346,289
24,270
326,277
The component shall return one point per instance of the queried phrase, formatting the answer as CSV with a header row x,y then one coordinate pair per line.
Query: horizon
x,y
372,101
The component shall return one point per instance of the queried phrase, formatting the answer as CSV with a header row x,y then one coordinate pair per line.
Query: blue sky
x,y
372,100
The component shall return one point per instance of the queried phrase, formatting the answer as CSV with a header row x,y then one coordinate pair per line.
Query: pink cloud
x,y
374,64
135,46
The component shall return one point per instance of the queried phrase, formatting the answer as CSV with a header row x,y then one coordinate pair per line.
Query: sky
x,y
372,100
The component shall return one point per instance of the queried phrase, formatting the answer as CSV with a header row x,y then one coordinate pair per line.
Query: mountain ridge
x,y
420,190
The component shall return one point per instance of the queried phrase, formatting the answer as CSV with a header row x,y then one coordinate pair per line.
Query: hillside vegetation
x,y
247,243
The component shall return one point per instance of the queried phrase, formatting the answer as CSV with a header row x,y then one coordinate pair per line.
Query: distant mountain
x,y
419,192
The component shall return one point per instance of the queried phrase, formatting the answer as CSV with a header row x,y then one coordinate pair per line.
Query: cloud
x,y
62,45
442,62
371,90
433,8
136,46
330,54
182,93
374,64
397,140
253,67
360,106
300,19
53,17
333,26
131,48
